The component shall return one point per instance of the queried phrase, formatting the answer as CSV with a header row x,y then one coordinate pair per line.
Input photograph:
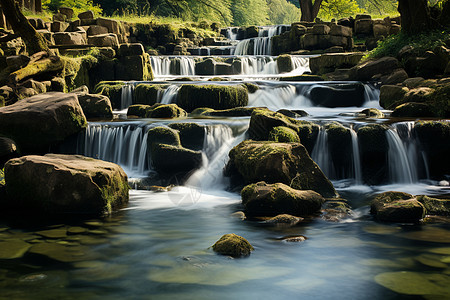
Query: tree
x,y
309,9
19,23
338,9
415,15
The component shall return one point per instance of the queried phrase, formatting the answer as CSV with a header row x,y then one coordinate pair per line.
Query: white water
x,y
262,45
126,97
321,154
170,94
356,158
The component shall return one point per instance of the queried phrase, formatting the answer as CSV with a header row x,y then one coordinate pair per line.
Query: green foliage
x,y
77,5
380,7
421,43
282,12
338,9
250,12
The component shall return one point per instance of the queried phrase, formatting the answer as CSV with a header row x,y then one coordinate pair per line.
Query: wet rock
x,y
303,77
192,135
373,148
278,163
59,116
435,206
213,96
148,93
413,110
232,112
96,106
326,63
165,111
283,134
369,69
105,186
340,147
233,245
293,113
284,63
262,199
344,95
373,113
294,239
335,210
397,207
57,252
392,95
284,220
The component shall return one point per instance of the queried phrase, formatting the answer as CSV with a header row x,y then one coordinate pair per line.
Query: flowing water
x,y
159,246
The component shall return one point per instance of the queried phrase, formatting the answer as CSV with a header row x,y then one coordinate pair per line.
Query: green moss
x,y
192,135
252,88
113,195
435,206
284,63
148,93
111,89
76,70
233,245
163,135
213,96
283,134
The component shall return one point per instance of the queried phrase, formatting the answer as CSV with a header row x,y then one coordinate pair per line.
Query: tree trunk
x,y
415,16
19,23
309,10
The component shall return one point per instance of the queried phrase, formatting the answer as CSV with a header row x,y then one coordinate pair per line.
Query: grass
x,y
421,43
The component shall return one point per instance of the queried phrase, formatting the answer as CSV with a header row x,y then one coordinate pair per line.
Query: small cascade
x,y
279,96
402,163
356,162
254,46
125,145
187,66
126,97
180,65
301,64
321,154
170,95
160,65
216,136
258,65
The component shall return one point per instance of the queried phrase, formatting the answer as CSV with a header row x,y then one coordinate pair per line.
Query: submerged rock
x,y
57,116
262,199
233,245
51,184
287,163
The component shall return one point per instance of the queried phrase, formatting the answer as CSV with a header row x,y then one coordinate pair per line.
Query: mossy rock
x,y
373,113
284,63
96,106
435,206
232,112
434,137
111,89
263,121
373,148
284,220
397,207
283,134
148,93
340,147
262,199
169,159
392,95
219,97
138,110
233,245
192,135
287,163
162,135
251,88
413,110
166,111
440,101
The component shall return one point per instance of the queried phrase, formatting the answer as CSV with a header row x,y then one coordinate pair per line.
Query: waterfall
x,y
125,145
301,64
321,153
160,65
402,165
279,96
261,46
216,136
170,94
258,65
187,66
164,66
126,97
356,162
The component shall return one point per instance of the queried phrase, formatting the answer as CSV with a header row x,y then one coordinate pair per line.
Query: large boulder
x,y
397,207
340,147
96,106
263,121
41,121
372,68
326,63
342,95
287,163
68,38
392,95
192,135
262,200
214,96
51,184
148,94
111,89
165,111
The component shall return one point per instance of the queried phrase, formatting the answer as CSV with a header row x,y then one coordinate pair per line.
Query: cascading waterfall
x,y
321,154
180,65
258,65
356,167
126,97
160,65
262,45
277,97
125,145
170,94
301,64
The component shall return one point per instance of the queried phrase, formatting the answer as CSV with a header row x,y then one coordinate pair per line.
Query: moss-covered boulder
x,y
287,163
168,156
397,207
192,96
283,134
192,135
262,199
372,113
96,106
329,62
41,121
392,95
148,94
163,111
413,110
373,147
434,137
111,89
51,184
284,63
233,245
340,147
232,112
435,206
263,121
342,95
138,110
